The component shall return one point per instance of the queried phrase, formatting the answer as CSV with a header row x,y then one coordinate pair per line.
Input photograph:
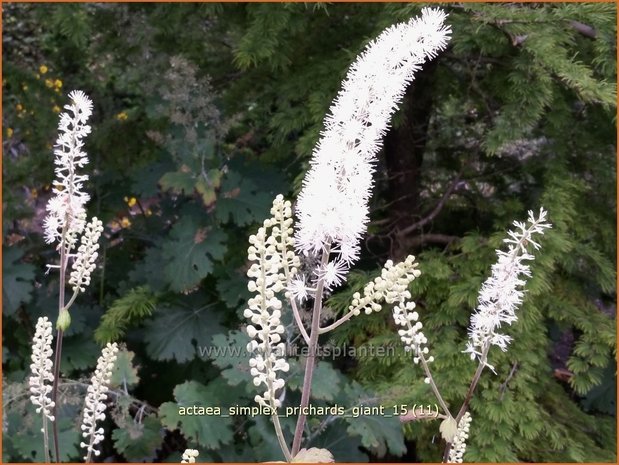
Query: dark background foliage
x,y
204,112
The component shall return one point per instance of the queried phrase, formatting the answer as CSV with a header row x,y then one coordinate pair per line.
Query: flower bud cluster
x,y
274,260
189,456
94,409
391,286
404,315
458,447
41,368
84,263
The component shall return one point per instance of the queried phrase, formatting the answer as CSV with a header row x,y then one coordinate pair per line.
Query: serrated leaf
x,y
326,381
29,441
210,431
179,182
17,280
190,253
229,353
313,455
378,433
138,442
175,329
241,201
448,429
124,373
232,289
79,353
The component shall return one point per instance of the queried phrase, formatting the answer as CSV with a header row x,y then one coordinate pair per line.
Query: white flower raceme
x,y
65,209
84,262
391,286
404,315
189,456
94,409
41,368
332,207
458,447
271,251
501,294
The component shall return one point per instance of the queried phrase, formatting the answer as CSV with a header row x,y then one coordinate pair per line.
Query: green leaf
x,y
326,381
79,353
229,353
210,431
124,373
138,442
189,255
378,433
242,201
175,329
29,441
17,278
179,182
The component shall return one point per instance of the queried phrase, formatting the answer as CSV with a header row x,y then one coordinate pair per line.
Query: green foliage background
x,y
204,112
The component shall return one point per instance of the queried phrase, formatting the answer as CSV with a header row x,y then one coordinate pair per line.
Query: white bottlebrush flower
x,y
94,409
84,263
458,446
189,456
65,209
332,207
274,265
333,273
414,340
42,378
501,294
298,289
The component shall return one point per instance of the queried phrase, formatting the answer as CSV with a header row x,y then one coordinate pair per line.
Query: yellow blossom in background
x,y
49,83
24,87
122,116
131,201
43,69
9,132
58,84
148,212
19,107
125,222
56,109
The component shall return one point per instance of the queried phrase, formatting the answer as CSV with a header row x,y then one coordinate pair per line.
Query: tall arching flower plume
x,y
65,210
332,207
501,294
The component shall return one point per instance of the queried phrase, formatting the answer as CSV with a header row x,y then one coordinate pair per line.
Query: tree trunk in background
x,y
404,148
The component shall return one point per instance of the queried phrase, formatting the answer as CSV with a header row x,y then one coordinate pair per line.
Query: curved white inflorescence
x,y
458,447
189,456
404,315
65,209
84,263
391,286
94,409
501,294
332,207
274,263
41,368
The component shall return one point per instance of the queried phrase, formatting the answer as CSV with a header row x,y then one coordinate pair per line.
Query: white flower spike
x,y
65,209
41,368
94,409
332,207
501,294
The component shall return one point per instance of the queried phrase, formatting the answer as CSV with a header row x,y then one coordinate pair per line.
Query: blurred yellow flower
x,y
24,87
148,212
132,201
9,132
122,116
58,84
125,222
43,69
19,107
49,83
56,109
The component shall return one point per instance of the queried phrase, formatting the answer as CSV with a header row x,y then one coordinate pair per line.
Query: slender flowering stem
x,y
310,360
